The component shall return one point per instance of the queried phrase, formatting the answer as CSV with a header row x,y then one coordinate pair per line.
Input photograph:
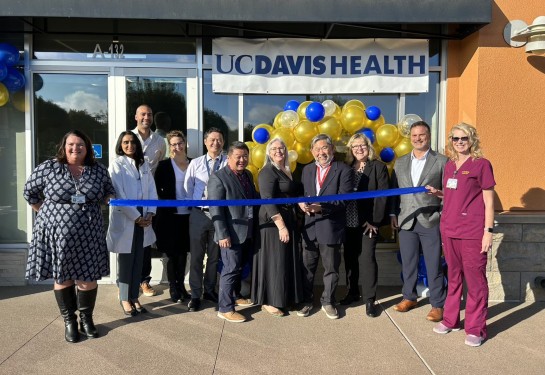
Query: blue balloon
x,y
368,133
372,113
387,154
315,112
15,80
3,71
9,54
292,105
261,135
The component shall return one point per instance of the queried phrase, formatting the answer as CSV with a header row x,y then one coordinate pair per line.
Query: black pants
x,y
356,245
176,264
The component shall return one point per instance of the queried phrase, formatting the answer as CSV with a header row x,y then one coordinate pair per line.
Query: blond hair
x,y
366,141
474,143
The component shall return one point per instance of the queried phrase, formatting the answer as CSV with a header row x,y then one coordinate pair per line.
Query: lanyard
x,y
321,180
76,185
216,164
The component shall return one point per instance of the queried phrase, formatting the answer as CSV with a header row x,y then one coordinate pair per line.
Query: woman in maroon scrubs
x,y
467,223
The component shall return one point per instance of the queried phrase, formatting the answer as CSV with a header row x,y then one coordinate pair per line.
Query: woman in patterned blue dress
x,y
68,240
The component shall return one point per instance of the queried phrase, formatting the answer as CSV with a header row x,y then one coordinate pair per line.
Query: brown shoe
x,y
405,305
147,290
232,316
243,302
435,314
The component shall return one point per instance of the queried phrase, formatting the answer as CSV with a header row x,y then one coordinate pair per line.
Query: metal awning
x,y
462,16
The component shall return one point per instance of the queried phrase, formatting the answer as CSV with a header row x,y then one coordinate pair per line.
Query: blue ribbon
x,y
257,202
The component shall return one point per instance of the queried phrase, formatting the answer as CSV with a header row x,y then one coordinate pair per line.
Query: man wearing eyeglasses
x,y
416,216
325,222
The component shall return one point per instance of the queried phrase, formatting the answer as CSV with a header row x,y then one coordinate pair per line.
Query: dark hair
x,y
138,155
421,123
238,145
162,121
89,155
213,130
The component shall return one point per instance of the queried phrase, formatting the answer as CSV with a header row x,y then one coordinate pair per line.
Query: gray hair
x,y
321,137
268,159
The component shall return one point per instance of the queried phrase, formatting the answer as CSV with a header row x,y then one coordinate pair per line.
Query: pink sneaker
x,y
443,329
472,340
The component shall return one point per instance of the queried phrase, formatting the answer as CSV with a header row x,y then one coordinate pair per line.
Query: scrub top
x,y
463,206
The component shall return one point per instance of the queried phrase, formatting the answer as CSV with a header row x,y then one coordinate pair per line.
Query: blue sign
x,y
97,149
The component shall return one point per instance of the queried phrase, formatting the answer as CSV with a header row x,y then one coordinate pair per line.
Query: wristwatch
x,y
489,229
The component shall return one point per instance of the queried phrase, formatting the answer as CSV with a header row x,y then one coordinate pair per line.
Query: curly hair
x,y
474,143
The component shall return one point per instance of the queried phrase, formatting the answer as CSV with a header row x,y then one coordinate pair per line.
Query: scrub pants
x,y
465,261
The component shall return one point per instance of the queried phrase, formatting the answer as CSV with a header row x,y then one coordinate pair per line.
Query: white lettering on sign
x,y
115,51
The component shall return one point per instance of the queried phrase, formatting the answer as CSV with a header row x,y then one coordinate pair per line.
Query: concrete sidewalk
x,y
170,340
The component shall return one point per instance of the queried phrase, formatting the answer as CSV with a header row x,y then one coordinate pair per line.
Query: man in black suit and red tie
x,y
325,222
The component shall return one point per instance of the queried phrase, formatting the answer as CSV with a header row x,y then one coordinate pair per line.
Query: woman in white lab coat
x,y
130,227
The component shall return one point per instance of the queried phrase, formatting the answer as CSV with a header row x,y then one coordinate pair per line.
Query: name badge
x,y
452,183
78,198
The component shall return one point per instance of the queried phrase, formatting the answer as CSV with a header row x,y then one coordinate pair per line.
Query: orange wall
x,y
500,90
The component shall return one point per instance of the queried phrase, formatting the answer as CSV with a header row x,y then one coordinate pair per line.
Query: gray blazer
x,y
422,207
230,221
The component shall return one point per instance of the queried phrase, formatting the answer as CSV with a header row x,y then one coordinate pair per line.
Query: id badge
x,y
452,183
78,198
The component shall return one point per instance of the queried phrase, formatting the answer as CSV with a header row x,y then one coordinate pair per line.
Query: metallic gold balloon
x,y
293,165
352,118
255,172
276,122
354,102
286,134
4,95
403,147
387,135
302,109
330,126
257,156
303,152
305,131
250,144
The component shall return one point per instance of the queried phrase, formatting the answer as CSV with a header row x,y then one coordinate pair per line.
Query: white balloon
x,y
404,124
292,156
330,107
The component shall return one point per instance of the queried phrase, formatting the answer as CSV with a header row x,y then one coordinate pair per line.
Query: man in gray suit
x,y
233,225
418,220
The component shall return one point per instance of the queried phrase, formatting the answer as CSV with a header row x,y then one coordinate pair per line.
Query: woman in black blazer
x,y
363,218
172,223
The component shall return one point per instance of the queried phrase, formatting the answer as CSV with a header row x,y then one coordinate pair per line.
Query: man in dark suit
x,y
233,225
324,222
418,220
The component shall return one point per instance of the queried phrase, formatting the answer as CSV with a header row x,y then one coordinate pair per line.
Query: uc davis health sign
x,y
308,66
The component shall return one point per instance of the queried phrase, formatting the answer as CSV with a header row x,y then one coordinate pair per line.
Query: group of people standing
x,y
284,242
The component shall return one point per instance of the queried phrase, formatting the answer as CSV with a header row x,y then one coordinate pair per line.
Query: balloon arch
x,y
12,80
298,123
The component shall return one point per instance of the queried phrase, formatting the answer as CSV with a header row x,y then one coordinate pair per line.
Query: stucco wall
x,y
499,89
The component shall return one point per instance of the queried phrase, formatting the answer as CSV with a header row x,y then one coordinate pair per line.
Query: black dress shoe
x,y
371,309
212,297
194,304
184,295
141,309
175,295
350,298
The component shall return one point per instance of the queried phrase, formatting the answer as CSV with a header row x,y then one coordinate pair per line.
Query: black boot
x,y
86,305
174,295
66,300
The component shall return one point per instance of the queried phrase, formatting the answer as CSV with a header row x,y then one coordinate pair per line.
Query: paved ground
x,y
170,340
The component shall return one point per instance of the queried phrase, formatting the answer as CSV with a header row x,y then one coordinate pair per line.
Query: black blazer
x,y
375,177
328,226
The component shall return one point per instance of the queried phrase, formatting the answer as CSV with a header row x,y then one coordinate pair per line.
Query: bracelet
x,y
281,229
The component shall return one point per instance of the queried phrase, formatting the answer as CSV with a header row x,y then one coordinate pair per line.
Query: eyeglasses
x,y
361,147
179,144
463,139
275,149
323,148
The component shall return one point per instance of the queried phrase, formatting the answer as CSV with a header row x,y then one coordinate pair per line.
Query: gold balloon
x,y
387,135
353,102
286,134
303,152
352,119
293,165
390,167
255,172
257,156
305,131
250,144
403,147
276,122
378,123
338,112
4,95
330,126
302,109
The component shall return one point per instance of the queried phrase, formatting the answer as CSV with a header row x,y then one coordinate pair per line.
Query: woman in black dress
x,y
276,276
68,241
172,223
